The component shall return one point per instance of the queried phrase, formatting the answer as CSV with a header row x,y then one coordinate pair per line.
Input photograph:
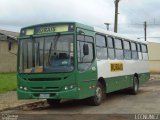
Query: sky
x,y
16,14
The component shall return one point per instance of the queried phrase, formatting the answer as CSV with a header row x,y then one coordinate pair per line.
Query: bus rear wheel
x,y
135,87
99,95
53,102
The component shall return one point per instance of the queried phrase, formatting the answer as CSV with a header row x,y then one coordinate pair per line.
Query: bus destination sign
x,y
52,29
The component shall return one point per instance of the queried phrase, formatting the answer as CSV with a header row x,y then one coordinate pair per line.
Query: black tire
x,y
99,95
53,102
135,87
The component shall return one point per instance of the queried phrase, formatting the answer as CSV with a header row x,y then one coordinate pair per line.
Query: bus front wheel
x,y
53,102
99,95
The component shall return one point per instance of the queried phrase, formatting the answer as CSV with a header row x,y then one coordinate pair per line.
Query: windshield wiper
x,y
56,39
38,54
50,52
50,49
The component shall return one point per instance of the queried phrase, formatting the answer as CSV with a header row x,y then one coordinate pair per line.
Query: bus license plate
x,y
44,96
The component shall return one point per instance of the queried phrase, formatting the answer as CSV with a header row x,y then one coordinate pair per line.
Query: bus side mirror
x,y
80,32
85,49
9,46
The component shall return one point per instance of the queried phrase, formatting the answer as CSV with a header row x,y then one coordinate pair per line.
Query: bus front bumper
x,y
69,94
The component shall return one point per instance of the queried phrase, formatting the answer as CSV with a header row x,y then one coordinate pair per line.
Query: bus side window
x,y
134,51
84,61
110,45
101,47
118,49
144,52
127,50
139,51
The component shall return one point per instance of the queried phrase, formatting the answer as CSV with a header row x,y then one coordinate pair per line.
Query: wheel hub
x,y
98,94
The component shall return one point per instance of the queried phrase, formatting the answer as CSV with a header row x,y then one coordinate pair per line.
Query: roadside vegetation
x,y
7,82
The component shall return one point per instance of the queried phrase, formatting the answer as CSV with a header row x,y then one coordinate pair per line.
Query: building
x,y
154,57
8,51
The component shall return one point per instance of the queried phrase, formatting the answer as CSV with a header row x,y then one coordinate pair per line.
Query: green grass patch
x,y
8,82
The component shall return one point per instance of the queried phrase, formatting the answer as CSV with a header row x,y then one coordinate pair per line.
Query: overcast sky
x,y
19,13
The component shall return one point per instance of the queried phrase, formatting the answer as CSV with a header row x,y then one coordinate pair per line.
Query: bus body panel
x,y
87,79
116,80
121,79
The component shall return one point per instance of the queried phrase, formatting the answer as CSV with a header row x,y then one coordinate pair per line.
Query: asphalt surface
x,y
120,103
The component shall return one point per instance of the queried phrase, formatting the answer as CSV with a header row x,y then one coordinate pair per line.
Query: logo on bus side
x,y
116,67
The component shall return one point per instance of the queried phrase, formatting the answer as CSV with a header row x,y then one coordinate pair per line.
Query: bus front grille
x,y
44,79
45,89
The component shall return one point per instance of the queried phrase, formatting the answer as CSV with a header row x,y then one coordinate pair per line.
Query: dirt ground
x,y
9,100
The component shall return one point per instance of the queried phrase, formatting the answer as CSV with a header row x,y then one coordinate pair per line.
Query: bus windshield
x,y
46,54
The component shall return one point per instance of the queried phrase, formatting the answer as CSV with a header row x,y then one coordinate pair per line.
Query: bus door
x,y
86,63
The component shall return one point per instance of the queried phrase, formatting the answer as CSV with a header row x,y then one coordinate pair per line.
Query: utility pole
x,y
107,25
145,30
116,16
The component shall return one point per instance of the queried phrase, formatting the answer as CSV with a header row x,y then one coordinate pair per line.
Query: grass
x,y
8,82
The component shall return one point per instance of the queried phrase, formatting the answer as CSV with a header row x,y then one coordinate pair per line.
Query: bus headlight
x,y
66,88
69,87
20,87
25,88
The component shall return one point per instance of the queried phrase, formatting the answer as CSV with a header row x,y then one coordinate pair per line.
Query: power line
x,y
148,37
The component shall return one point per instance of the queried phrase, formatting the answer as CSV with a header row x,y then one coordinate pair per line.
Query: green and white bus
x,y
69,60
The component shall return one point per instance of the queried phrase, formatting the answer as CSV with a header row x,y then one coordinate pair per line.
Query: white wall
x,y
154,57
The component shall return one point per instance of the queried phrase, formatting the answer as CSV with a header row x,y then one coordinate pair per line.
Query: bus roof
x,y
103,31
49,23
96,29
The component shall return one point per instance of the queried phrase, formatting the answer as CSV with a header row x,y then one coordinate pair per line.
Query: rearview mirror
x,y
85,49
80,32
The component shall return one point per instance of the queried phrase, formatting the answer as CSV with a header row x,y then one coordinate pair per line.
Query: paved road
x,y
147,101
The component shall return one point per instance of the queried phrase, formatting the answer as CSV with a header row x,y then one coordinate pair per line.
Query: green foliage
x,y
8,82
